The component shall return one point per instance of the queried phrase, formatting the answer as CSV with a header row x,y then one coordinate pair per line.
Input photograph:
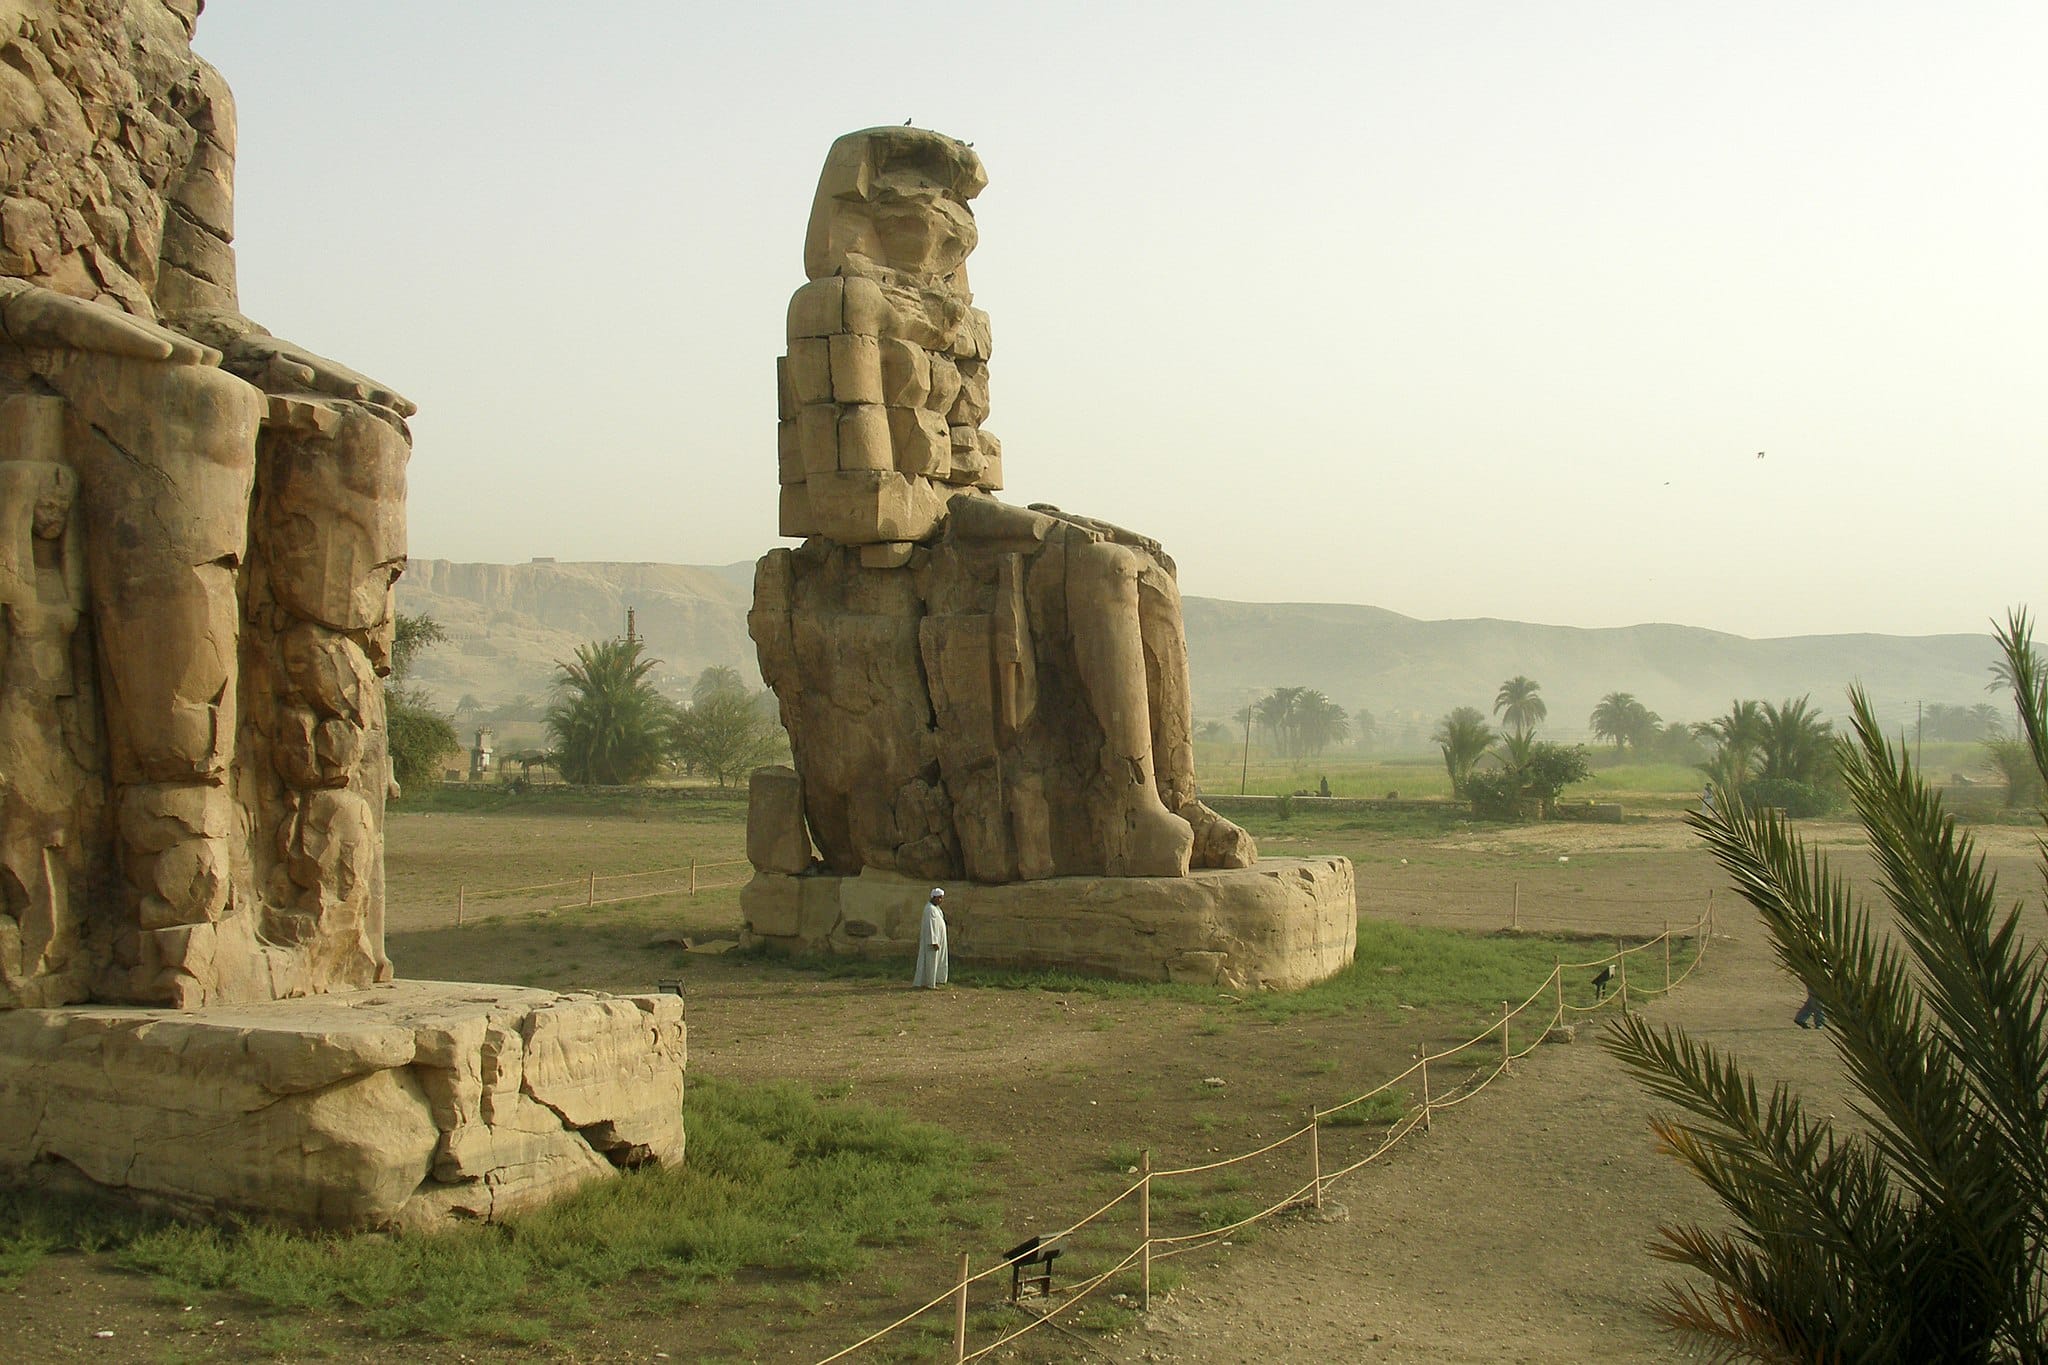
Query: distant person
x,y
931,943
1323,785
1811,1015
1707,800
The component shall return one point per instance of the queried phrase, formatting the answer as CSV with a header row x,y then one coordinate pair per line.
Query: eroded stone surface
x,y
973,691
1281,925
200,525
403,1104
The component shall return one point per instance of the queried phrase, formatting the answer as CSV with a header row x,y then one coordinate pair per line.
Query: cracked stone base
x,y
401,1105
1281,924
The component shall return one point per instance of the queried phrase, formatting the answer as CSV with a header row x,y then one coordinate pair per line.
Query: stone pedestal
x,y
1281,924
404,1104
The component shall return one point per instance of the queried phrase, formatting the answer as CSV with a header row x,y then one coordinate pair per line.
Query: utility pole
x,y
1919,716
1244,772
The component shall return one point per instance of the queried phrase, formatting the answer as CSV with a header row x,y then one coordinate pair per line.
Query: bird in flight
x,y
1759,454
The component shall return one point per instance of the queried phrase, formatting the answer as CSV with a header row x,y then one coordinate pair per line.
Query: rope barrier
x,y
1156,1247
1233,1160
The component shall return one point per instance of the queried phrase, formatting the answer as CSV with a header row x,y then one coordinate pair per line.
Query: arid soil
x,y
1514,1230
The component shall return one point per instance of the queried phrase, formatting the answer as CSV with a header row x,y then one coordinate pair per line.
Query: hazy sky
x,y
1457,309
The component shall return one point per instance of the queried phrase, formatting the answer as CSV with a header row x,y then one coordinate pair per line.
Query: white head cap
x,y
938,893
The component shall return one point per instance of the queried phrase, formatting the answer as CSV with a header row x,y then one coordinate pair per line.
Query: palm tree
x,y
1737,737
1921,1231
607,722
1626,721
1796,745
1517,704
1319,722
715,679
1463,736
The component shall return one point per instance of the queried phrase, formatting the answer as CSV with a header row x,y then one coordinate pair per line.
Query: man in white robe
x,y
931,943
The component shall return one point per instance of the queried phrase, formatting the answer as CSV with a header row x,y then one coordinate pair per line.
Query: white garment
x,y
931,947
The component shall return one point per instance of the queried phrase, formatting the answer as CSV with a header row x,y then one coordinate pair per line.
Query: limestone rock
x,y
402,1105
200,525
1281,925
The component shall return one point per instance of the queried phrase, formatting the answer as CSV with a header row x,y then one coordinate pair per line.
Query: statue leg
x,y
1103,614
166,457
1218,842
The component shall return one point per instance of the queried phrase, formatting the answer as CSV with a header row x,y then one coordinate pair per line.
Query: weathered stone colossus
x,y
202,524
199,530
971,688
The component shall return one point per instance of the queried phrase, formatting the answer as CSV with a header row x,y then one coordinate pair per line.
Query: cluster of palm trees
x,y
1299,721
1526,766
1759,742
610,726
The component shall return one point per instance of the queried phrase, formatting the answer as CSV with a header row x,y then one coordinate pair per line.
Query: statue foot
x,y
1218,842
1159,842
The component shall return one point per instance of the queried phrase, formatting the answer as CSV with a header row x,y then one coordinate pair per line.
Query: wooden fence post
x,y
1557,975
960,1314
1710,912
1621,960
1145,1230
1667,953
1515,922
1315,1157
458,905
1506,1053
1425,1088
590,890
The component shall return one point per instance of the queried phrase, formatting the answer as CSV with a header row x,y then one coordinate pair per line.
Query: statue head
x,y
895,198
52,516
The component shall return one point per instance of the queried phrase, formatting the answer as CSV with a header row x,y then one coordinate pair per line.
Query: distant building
x,y
481,759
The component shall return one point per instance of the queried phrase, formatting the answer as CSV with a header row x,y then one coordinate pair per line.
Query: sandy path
x,y
1497,1238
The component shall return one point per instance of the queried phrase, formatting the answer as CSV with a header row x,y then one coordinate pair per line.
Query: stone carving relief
x,y
971,688
203,524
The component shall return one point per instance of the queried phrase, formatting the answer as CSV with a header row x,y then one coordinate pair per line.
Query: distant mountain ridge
x,y
509,623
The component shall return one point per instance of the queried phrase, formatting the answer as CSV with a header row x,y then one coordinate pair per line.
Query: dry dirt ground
x,y
1515,1230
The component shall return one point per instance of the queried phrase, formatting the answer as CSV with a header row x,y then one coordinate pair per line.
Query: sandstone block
x,y
867,311
945,383
864,438
771,905
921,443
402,1105
810,370
970,405
785,391
789,454
906,373
856,368
776,838
861,507
817,436
892,554
793,512
816,309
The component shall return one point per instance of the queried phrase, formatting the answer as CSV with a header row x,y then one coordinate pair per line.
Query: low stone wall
x,y
1228,804
406,1104
1281,924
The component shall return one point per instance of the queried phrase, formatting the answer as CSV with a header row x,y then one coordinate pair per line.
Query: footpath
x,y
1518,1229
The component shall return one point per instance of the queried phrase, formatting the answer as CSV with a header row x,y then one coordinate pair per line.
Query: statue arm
x,y
34,317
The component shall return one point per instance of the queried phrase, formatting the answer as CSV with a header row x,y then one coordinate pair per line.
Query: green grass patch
x,y
777,1181
1387,1107
1424,967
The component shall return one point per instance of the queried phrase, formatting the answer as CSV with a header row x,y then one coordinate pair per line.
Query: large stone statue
x,y
971,688
199,530
202,526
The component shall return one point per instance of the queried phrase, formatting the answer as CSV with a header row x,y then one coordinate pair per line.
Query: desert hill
x,y
508,623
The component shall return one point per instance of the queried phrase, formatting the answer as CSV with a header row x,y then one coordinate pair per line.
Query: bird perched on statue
x,y
1602,979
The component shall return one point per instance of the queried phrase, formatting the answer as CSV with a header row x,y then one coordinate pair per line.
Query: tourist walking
x,y
1811,1015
